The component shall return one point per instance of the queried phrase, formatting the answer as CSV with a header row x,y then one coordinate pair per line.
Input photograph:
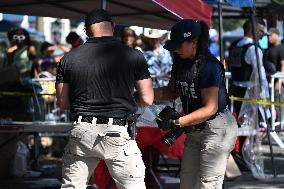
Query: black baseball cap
x,y
184,30
97,16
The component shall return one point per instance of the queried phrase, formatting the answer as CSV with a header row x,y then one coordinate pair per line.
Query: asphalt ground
x,y
50,174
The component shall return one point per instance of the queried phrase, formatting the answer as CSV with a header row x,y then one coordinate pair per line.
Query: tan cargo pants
x,y
206,153
89,143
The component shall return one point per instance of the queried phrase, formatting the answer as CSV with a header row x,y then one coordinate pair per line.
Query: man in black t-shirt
x,y
275,53
275,59
96,82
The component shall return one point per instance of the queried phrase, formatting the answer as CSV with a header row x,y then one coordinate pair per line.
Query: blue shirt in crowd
x,y
160,64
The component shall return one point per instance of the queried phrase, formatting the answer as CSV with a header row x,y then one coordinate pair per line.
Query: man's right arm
x,y
62,86
62,95
145,92
281,57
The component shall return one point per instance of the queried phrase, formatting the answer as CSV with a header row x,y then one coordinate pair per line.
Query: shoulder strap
x,y
234,44
246,46
199,64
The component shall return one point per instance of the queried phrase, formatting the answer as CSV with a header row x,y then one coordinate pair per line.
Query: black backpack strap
x,y
246,46
200,63
234,44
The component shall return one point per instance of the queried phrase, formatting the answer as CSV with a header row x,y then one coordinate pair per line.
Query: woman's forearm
x,y
196,117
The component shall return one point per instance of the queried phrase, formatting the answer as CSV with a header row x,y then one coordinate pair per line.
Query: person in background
x,y
213,46
158,59
129,37
47,49
274,62
49,68
242,63
18,65
198,78
57,54
96,81
74,39
140,43
21,53
275,53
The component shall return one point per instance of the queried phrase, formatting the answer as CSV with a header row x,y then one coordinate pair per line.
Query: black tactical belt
x,y
201,126
116,121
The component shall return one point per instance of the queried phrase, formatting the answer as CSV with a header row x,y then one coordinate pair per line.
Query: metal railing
x,y
278,75
47,102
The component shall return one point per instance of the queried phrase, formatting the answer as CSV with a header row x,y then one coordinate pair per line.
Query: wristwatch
x,y
176,123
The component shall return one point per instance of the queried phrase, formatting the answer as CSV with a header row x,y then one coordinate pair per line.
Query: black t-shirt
x,y
275,55
210,74
101,75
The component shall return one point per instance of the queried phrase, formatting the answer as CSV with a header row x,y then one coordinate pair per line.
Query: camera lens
x,y
171,136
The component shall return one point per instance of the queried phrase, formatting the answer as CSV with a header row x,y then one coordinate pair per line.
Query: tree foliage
x,y
229,24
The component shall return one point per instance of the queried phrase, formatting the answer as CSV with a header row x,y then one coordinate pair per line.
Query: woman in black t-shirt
x,y
198,79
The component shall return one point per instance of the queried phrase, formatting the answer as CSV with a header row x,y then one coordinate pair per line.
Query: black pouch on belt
x,y
131,129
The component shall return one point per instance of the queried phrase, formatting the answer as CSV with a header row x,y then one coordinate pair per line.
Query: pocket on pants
x,y
82,136
134,166
116,141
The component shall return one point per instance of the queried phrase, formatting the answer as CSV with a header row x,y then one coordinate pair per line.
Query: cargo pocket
x,y
134,165
83,137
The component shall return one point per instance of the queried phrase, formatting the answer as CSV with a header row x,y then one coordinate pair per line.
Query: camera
x,y
165,120
172,135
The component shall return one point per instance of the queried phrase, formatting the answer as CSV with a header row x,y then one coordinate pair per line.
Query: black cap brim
x,y
171,45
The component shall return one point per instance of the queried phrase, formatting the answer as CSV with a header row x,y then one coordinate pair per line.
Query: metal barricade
x,y
228,76
47,101
274,123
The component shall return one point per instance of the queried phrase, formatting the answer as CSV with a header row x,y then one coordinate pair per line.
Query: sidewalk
x,y
246,181
52,174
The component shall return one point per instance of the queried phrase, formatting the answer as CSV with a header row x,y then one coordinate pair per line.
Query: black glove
x,y
166,117
165,125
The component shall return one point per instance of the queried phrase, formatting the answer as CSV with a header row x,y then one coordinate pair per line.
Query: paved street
x,y
50,179
246,181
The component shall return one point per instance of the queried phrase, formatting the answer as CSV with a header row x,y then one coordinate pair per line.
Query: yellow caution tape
x,y
7,93
256,101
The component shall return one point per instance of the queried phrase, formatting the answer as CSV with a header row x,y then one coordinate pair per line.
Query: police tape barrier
x,y
7,93
256,101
